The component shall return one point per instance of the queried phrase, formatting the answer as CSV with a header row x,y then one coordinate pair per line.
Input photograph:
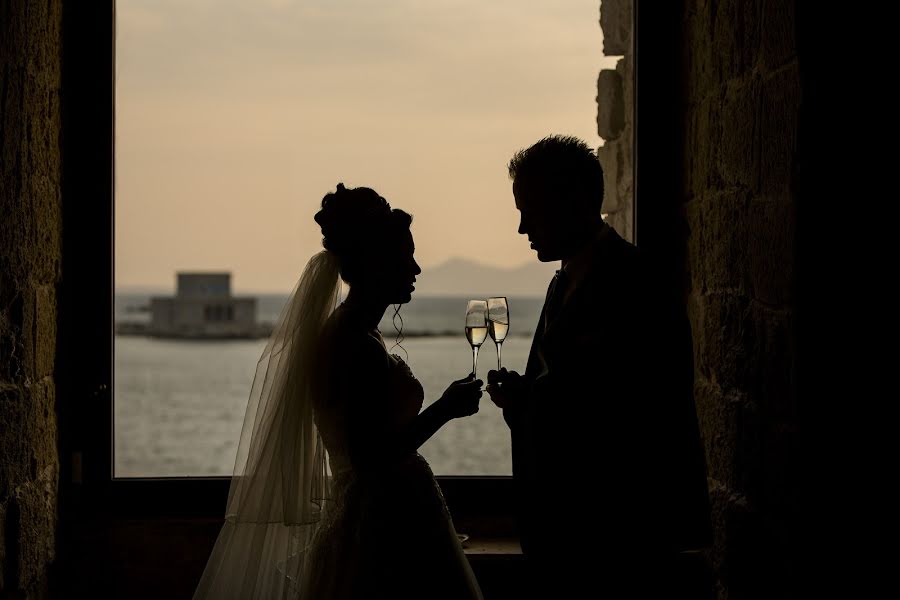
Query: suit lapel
x,y
576,314
583,311
534,367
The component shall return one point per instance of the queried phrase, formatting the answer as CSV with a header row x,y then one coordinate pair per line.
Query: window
x,y
252,112
85,359
87,290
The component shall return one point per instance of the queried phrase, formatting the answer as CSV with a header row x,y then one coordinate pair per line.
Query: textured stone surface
x,y
615,124
610,157
36,502
701,163
618,183
718,246
742,98
610,105
779,97
3,529
736,31
30,246
44,330
615,21
779,42
770,250
624,67
13,459
739,143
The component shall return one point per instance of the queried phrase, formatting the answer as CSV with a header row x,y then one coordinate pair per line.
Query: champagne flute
x,y
498,323
476,328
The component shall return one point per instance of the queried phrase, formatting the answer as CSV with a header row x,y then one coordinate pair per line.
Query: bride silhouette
x,y
330,498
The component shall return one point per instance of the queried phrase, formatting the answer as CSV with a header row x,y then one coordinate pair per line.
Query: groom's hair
x,y
567,164
356,222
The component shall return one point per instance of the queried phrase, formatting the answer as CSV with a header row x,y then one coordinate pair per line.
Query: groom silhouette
x,y
608,465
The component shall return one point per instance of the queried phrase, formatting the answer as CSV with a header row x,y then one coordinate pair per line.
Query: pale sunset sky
x,y
234,118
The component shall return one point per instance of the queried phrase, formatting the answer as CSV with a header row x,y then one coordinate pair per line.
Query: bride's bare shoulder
x,y
341,337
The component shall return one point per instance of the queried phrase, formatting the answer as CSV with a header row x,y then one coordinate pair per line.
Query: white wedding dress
x,y
387,532
322,506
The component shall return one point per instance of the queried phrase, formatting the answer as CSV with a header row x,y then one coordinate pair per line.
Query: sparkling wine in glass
x,y
498,323
476,328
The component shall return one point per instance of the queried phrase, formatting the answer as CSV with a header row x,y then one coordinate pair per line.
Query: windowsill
x,y
486,548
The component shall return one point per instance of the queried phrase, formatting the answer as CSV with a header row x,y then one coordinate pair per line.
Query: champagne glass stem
x,y
474,360
499,362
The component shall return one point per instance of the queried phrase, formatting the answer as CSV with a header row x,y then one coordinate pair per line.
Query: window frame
x,y
85,363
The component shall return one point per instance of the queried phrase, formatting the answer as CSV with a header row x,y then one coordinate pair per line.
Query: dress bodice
x,y
364,405
405,394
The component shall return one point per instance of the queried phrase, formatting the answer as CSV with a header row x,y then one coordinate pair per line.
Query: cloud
x,y
245,112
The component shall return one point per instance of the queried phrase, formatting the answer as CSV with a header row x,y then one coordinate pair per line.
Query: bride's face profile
x,y
399,269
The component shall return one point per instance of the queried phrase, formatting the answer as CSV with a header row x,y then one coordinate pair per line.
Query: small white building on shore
x,y
204,308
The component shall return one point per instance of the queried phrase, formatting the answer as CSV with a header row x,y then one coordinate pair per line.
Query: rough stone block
x,y
29,151
42,428
610,105
704,132
718,246
44,330
28,437
723,326
779,44
36,503
778,127
615,21
719,503
13,458
771,251
719,450
609,155
3,565
625,69
741,549
618,185
26,336
775,345
746,355
754,553
733,434
13,359
736,35
697,54
739,144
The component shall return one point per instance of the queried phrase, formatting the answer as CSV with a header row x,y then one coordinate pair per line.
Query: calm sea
x,y
179,404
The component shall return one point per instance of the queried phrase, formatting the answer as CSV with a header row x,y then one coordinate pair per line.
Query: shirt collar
x,y
577,267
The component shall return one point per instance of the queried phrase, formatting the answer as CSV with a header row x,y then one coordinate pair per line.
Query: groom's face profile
x,y
544,218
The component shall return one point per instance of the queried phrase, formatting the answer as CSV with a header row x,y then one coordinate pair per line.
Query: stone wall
x,y
30,223
741,101
615,117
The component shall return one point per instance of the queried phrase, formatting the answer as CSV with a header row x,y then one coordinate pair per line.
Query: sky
x,y
234,119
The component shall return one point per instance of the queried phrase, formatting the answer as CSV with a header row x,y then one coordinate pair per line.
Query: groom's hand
x,y
504,386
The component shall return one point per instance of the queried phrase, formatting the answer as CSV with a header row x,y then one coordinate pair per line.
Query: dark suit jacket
x,y
607,458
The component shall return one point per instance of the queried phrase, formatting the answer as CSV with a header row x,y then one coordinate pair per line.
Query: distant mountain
x,y
462,277
144,290
455,277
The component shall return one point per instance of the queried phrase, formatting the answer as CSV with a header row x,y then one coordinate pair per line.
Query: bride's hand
x,y
462,397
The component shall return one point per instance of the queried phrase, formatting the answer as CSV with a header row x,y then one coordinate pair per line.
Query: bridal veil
x,y
280,485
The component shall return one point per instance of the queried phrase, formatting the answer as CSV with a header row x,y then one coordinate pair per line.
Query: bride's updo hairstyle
x,y
357,224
